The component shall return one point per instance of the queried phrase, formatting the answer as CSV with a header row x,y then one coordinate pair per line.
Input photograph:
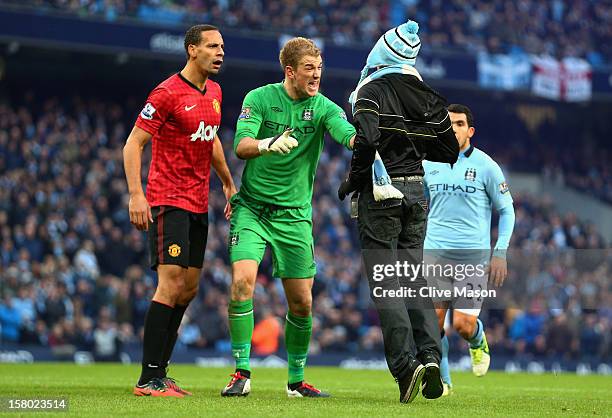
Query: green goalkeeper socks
x,y
297,339
241,331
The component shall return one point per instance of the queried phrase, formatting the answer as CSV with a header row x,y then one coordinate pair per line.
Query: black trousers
x,y
392,234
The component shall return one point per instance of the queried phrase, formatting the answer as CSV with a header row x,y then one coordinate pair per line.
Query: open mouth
x,y
217,63
313,85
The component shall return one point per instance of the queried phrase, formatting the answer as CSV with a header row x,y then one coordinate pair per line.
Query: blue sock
x,y
476,339
444,369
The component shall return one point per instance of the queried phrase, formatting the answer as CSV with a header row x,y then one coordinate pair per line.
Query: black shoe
x,y
432,387
238,386
304,390
409,385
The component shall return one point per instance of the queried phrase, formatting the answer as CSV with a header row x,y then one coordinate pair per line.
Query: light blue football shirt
x,y
460,197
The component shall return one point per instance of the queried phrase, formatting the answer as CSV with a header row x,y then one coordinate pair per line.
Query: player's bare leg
x,y
241,322
171,284
464,324
192,284
244,275
472,330
298,329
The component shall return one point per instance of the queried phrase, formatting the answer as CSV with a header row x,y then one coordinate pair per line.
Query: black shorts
x,y
177,237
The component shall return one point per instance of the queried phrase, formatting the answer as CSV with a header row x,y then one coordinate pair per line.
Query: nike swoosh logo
x,y
188,108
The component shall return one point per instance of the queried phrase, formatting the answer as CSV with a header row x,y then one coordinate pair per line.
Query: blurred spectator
x,y
534,326
54,310
591,336
140,304
84,339
85,261
107,343
122,303
10,320
24,304
526,329
266,333
560,338
213,310
57,337
189,333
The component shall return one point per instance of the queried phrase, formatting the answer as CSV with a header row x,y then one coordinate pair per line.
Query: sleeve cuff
x,y
498,252
145,127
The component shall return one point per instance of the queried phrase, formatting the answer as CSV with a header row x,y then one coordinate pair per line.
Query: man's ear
x,y
289,71
192,50
471,131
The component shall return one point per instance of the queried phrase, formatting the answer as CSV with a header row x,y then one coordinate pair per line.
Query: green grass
x,y
105,390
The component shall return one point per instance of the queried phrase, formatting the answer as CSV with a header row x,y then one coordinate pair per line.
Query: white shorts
x,y
458,281
471,312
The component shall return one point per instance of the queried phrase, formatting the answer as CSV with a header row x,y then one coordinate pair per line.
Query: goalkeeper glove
x,y
382,188
280,144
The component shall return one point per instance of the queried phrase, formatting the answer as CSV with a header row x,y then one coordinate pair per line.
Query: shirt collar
x,y
467,152
300,100
190,84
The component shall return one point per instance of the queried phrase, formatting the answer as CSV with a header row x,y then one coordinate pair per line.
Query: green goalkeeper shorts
x,y
288,231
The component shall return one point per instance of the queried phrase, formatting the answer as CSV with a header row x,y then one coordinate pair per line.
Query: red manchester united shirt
x,y
183,121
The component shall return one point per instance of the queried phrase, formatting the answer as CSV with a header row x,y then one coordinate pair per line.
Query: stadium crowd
x,y
74,272
589,173
577,28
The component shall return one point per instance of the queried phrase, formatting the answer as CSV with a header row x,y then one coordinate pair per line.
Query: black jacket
x,y
406,121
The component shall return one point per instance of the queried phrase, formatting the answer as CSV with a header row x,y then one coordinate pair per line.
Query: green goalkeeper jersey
x,y
287,180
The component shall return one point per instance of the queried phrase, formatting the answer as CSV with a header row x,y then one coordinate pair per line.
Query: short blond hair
x,y
295,49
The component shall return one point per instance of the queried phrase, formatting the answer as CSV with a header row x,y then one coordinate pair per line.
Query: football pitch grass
x,y
105,390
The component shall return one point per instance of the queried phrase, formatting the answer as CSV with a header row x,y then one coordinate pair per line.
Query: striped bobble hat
x,y
399,45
